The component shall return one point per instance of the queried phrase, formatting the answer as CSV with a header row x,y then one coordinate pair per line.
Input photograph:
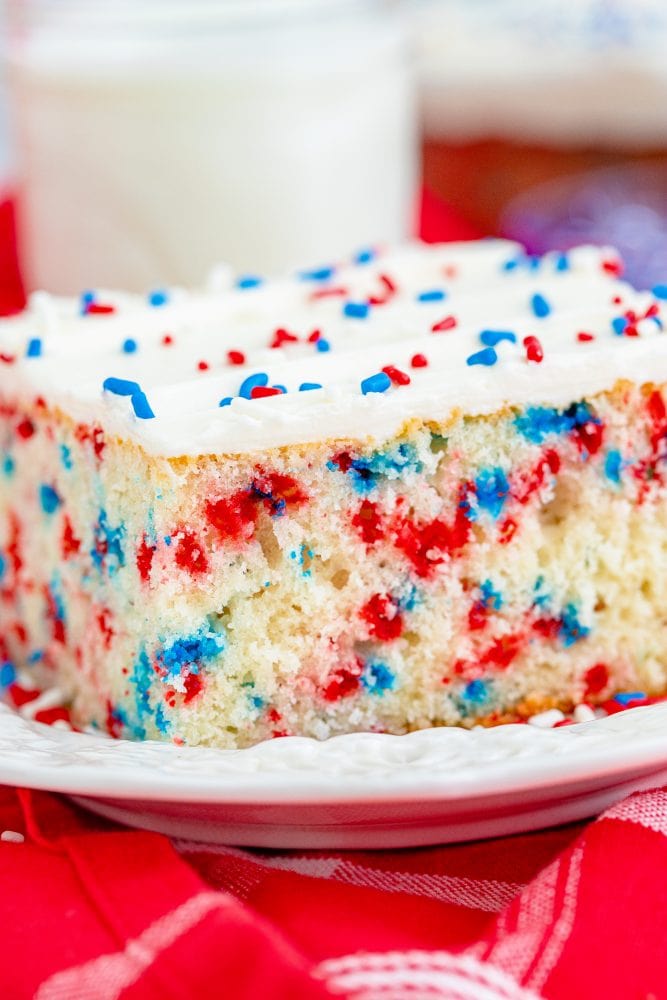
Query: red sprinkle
x,y
448,323
203,366
327,293
616,300
383,617
314,337
534,350
8,359
236,357
343,682
189,553
614,267
419,361
99,309
260,391
194,683
585,337
145,553
167,340
396,375
282,336
596,678
389,290
25,429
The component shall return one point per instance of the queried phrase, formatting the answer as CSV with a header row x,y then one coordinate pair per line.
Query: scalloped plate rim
x,y
611,759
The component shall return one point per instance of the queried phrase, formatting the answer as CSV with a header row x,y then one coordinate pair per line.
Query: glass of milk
x,y
156,137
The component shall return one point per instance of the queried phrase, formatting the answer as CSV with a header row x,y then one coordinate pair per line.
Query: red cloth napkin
x,y
90,911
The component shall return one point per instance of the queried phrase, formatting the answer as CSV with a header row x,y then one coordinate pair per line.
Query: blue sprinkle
x,y
356,310
66,457
36,656
141,406
624,697
434,295
375,383
129,345
306,386
571,630
167,539
3,566
7,674
34,348
486,357
191,649
249,383
660,291
8,465
158,297
120,386
612,466
476,691
562,262
364,256
540,306
322,345
282,388
225,401
533,260
618,325
49,499
377,678
318,274
491,598
248,281
492,337
86,299
492,489
161,720
510,265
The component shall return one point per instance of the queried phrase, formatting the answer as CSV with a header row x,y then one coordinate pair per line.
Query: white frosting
x,y
79,352
581,72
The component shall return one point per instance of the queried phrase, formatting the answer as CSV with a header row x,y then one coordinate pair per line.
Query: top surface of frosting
x,y
493,326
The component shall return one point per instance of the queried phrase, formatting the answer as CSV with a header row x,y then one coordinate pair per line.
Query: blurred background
x,y
141,141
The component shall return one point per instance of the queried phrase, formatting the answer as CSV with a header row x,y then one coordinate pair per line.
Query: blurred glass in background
x,y
547,121
156,137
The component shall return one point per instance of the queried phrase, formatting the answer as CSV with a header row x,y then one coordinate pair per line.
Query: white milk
x,y
159,136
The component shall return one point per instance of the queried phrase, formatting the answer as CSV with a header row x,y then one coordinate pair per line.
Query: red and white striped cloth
x,y
91,911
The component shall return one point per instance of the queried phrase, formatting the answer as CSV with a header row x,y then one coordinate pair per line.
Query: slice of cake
x,y
421,488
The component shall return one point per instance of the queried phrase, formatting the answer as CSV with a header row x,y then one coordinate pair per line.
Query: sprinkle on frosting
x,y
396,375
492,337
432,295
249,383
486,357
158,297
356,310
534,351
34,348
236,357
141,406
375,383
419,361
448,323
129,345
540,306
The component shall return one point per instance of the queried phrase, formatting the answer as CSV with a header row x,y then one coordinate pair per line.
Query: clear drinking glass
x,y
156,137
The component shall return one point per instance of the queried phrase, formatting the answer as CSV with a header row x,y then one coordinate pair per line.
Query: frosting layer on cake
x,y
354,350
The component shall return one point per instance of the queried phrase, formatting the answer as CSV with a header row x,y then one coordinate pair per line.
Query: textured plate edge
x,y
604,755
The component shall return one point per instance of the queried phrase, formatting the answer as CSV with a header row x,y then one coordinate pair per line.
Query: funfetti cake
x,y
421,488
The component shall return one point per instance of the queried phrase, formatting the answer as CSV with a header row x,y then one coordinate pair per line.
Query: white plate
x,y
365,790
